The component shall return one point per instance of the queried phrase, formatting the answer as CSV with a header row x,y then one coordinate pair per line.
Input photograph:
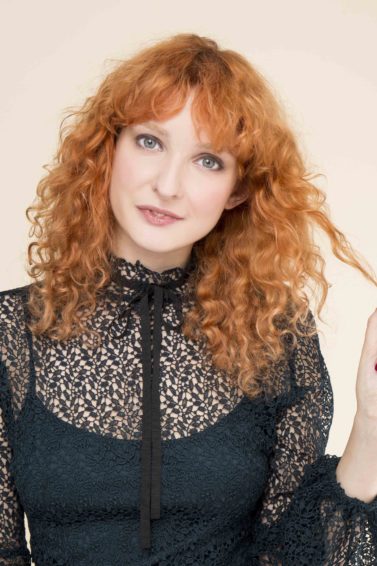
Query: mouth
x,y
160,212
157,219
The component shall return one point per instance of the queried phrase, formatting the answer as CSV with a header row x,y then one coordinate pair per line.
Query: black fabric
x,y
139,452
160,290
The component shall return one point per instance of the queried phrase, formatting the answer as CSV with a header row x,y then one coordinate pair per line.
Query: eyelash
x,y
220,165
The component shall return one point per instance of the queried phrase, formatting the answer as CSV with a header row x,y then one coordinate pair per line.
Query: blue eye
x,y
209,158
155,140
146,137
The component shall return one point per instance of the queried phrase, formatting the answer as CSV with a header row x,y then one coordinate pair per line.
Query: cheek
x,y
123,173
120,185
127,170
210,200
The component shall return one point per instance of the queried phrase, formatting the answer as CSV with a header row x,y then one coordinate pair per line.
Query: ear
x,y
239,194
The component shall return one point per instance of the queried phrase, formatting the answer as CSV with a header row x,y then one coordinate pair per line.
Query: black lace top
x,y
139,452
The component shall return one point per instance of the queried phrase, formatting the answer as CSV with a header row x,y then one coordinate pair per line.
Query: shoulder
x,y
12,312
12,302
14,296
14,292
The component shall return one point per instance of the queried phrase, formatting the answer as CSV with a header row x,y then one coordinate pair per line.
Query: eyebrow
x,y
164,132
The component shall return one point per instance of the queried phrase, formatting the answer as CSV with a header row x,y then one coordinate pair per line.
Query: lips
x,y
160,210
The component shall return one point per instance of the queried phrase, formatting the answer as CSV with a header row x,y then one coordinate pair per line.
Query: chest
x,y
64,473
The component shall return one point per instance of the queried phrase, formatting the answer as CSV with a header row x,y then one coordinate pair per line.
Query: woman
x,y
164,397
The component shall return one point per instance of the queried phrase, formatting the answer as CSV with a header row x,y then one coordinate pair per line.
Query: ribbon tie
x,y
158,293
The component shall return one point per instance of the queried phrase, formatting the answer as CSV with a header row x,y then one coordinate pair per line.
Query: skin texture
x,y
171,172
357,468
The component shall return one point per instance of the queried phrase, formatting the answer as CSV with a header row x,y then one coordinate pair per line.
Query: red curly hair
x,y
268,254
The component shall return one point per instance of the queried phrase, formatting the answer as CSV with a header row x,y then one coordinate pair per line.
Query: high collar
x,y
125,271
144,287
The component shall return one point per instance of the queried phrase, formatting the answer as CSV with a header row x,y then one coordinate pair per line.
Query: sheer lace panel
x,y
14,379
101,389
256,489
305,517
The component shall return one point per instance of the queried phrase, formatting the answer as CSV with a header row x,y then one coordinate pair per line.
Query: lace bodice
x,y
140,452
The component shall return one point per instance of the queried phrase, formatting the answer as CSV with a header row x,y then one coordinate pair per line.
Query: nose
x,y
168,182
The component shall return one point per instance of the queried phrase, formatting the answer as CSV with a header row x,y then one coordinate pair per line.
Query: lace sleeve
x,y
13,548
304,516
13,377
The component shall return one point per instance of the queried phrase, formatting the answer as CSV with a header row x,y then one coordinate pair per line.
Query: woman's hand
x,y
366,382
357,468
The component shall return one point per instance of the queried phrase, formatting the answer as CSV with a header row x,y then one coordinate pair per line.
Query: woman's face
x,y
169,170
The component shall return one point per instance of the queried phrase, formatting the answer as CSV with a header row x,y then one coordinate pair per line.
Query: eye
x,y
210,158
155,140
145,137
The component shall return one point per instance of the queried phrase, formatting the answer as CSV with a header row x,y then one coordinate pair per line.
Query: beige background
x,y
318,56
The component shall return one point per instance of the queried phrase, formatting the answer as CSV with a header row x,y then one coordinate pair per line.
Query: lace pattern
x,y
242,482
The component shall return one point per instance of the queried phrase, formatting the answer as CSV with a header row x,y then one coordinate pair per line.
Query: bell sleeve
x,y
304,516
13,547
